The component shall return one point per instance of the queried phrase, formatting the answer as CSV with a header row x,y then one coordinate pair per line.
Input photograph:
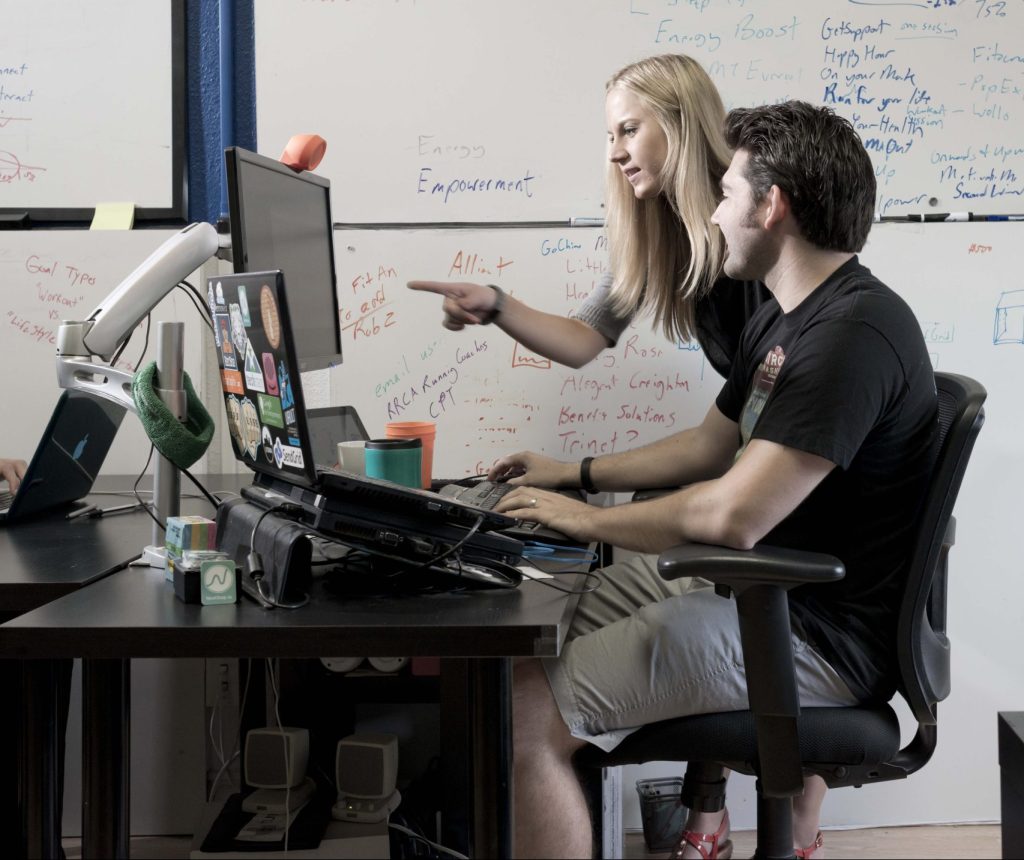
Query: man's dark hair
x,y
820,162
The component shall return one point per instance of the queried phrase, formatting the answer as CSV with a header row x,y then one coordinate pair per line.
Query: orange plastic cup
x,y
422,430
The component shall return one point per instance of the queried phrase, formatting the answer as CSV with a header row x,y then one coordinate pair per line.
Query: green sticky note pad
x,y
217,577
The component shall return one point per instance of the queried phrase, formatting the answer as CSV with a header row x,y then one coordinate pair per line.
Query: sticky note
x,y
191,532
113,216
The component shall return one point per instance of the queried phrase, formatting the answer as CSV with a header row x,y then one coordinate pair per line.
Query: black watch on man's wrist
x,y
586,482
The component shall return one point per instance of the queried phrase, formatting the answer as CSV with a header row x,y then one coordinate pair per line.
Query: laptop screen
x,y
260,375
70,454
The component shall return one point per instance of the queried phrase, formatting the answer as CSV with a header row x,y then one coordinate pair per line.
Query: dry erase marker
x,y
96,513
81,512
941,216
928,217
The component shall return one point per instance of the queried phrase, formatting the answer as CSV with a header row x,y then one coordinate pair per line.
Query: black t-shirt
x,y
845,375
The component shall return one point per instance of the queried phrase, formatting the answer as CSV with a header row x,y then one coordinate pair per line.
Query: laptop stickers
x,y
256,362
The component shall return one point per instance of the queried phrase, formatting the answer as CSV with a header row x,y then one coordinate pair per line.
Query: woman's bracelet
x,y
497,307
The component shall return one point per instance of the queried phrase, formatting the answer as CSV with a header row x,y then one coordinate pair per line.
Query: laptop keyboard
x,y
485,494
6,497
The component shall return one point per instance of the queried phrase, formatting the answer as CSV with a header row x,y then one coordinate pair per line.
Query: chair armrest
x,y
761,578
762,565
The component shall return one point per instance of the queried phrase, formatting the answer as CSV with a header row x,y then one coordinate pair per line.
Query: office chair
x,y
776,740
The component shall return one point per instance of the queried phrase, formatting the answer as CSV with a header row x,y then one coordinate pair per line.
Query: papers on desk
x,y
267,826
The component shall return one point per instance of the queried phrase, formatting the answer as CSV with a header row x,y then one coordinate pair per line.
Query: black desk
x,y
42,560
134,613
1011,782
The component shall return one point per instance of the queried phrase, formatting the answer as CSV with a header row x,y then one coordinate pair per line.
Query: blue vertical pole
x,y
227,86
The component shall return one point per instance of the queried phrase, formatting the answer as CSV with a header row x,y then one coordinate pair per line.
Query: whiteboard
x,y
487,394
481,110
490,397
92,107
55,275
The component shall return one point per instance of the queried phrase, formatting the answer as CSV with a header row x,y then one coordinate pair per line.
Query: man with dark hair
x,y
820,161
821,439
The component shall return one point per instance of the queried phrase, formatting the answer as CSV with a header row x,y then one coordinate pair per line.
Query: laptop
x,y
328,427
270,434
68,457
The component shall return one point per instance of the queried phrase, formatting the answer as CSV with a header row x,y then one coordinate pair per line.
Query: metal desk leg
x,y
491,745
106,758
476,736
45,689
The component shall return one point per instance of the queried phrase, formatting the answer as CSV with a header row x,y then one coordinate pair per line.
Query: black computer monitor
x,y
281,219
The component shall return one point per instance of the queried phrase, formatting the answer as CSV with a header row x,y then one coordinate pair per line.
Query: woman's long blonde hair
x,y
665,252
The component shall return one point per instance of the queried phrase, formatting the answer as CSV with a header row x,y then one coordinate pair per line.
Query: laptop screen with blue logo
x,y
69,455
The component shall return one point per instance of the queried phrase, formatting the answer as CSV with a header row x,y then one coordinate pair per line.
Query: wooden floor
x,y
954,841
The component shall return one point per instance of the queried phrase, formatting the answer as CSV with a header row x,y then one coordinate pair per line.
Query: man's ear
x,y
777,207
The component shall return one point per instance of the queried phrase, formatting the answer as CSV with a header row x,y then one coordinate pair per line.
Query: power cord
x,y
236,746
197,300
419,837
135,488
210,497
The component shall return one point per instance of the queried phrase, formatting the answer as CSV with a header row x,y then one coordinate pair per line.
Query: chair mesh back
x,y
923,648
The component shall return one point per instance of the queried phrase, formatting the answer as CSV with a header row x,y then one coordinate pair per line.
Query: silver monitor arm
x,y
112,322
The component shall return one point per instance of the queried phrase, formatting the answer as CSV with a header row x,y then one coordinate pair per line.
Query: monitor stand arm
x,y
77,371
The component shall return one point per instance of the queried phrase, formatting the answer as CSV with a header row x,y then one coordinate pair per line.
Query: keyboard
x,y
6,498
483,494
486,494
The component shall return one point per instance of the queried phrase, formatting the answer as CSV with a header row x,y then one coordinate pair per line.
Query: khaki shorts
x,y
642,649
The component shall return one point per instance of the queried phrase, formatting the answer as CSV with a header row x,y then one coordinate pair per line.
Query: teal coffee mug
x,y
396,460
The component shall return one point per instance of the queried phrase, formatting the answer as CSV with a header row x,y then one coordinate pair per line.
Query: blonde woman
x,y
666,156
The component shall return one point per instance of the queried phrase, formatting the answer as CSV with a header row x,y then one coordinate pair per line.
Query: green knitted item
x,y
181,443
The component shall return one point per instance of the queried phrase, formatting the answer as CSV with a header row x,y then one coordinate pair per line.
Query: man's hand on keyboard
x,y
555,510
529,469
12,471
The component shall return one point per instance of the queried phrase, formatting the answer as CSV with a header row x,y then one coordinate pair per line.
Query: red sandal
x,y
805,853
718,848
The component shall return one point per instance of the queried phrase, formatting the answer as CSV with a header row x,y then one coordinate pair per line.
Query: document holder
x,y
283,545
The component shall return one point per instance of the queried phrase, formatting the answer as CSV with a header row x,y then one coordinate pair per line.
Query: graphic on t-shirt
x,y
760,389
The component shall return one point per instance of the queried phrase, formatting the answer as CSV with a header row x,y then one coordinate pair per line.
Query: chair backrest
x,y
923,648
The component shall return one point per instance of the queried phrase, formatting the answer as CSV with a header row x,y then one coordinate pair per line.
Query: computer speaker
x,y
366,765
276,758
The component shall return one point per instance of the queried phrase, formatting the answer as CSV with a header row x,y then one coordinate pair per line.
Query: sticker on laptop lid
x,y
270,316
